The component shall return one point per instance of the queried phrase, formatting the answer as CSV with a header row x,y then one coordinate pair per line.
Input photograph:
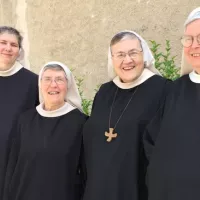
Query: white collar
x,y
194,77
72,96
13,70
146,74
54,113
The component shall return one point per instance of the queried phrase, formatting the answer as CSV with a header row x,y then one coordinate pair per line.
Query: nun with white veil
x,y
44,159
173,149
112,137
19,90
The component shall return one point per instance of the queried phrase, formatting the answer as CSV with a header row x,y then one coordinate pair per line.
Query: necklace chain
x,y
111,108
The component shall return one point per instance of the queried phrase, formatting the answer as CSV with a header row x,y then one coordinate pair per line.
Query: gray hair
x,y
13,31
124,36
55,67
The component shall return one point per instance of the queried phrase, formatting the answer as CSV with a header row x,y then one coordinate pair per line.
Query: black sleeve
x,y
152,129
33,90
12,156
36,91
142,187
95,97
37,102
148,140
83,173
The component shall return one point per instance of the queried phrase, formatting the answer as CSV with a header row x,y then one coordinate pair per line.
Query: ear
x,y
39,84
21,54
145,64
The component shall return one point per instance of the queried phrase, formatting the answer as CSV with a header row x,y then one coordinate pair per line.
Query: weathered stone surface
x,y
78,32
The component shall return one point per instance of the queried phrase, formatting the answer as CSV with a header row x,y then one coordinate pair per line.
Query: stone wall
x,y
78,32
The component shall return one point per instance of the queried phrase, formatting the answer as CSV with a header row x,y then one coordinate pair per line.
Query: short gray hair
x,y
55,67
124,36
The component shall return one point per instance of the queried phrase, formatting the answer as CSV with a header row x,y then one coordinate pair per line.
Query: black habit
x,y
45,157
116,170
173,148
19,92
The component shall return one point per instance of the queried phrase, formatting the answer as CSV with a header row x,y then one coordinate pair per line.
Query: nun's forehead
x,y
123,36
126,45
53,67
193,28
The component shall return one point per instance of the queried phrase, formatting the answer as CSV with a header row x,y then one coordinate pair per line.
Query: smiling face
x,y
127,58
53,87
192,53
9,50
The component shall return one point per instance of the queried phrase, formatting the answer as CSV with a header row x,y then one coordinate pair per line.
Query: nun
x,y
45,152
115,165
19,89
173,147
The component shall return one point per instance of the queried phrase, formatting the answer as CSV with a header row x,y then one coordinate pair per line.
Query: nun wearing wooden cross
x,y
112,137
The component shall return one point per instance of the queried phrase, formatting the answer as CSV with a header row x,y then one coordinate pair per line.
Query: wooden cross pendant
x,y
110,135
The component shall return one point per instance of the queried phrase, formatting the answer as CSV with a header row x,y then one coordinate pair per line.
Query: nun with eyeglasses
x,y
112,137
44,160
173,148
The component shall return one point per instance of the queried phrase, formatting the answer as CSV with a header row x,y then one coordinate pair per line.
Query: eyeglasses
x,y
187,40
58,80
133,54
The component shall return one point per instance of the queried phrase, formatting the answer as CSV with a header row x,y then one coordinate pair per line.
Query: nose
x,y
127,59
8,47
53,83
